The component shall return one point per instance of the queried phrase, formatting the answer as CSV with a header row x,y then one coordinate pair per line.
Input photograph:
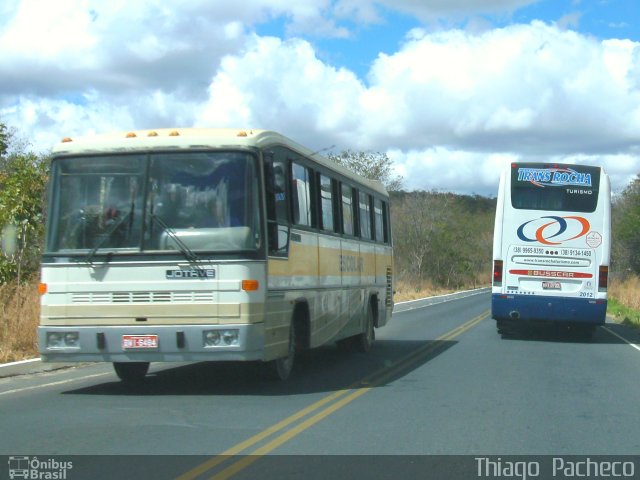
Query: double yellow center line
x,y
323,407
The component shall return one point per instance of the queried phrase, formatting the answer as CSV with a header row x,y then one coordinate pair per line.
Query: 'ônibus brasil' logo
x,y
560,229
554,177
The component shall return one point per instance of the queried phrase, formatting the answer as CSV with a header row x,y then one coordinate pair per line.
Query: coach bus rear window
x,y
565,188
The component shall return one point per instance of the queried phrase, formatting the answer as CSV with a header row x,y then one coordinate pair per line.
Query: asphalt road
x,y
439,381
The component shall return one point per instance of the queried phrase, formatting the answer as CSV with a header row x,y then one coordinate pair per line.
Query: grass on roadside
x,y
406,291
624,301
623,314
19,318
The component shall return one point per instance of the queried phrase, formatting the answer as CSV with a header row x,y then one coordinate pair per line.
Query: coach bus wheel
x,y
363,341
585,332
281,368
131,372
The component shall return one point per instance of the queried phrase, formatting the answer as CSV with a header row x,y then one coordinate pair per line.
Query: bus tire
x,y
364,341
585,332
281,368
131,372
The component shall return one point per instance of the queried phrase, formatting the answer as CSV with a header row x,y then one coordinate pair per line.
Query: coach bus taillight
x,y
603,278
497,273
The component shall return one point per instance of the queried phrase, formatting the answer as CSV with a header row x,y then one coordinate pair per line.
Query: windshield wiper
x,y
106,237
189,254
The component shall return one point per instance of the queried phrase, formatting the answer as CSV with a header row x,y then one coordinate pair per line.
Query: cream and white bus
x,y
551,246
209,245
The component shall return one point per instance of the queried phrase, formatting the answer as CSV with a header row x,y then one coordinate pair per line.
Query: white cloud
x,y
526,91
468,172
451,106
283,85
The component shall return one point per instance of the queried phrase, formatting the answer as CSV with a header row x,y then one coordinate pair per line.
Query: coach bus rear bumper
x,y
186,343
548,309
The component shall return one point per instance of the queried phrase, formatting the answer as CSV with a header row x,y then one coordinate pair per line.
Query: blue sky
x,y
451,90
600,18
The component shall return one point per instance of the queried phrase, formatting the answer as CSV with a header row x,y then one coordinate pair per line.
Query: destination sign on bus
x,y
554,177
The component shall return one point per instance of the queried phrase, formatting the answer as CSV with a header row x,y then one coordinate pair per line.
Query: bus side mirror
x,y
278,239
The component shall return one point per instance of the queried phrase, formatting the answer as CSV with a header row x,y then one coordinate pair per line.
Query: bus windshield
x,y
568,188
206,201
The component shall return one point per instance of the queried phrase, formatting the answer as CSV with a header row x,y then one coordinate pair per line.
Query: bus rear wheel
x,y
131,372
364,341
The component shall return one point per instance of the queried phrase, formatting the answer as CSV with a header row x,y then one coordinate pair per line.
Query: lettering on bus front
x,y
189,274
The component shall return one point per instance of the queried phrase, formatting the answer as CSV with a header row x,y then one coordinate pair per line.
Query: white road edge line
x,y
471,292
61,382
21,362
622,338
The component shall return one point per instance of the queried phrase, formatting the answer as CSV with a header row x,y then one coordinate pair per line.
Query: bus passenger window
x,y
379,225
326,203
347,210
301,195
365,215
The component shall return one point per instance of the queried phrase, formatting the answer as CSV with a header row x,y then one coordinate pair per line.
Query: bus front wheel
x,y
131,372
281,368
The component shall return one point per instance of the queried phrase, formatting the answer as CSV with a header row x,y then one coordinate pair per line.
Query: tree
x,y
4,140
443,238
23,178
371,165
625,226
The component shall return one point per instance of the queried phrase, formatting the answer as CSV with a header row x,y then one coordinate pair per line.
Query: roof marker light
x,y
174,133
242,133
131,135
152,134
67,140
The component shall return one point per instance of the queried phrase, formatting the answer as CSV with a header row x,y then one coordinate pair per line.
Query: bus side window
x,y
327,207
277,208
348,217
378,223
385,221
364,205
301,195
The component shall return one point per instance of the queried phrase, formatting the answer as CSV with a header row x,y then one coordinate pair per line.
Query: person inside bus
x,y
218,216
170,209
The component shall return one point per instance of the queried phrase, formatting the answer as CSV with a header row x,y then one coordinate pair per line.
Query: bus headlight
x,y
63,340
221,338
71,339
211,338
230,337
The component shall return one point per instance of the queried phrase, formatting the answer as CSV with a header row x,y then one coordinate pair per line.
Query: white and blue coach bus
x,y
551,246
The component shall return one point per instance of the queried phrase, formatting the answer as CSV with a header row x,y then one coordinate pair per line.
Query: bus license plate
x,y
551,286
139,341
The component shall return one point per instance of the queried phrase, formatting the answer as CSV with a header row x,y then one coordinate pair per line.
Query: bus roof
x,y
196,138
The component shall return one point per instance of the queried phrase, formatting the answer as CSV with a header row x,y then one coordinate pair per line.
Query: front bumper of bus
x,y
240,342
548,309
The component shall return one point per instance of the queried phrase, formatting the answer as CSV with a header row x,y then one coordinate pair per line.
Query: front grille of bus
x,y
142,297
